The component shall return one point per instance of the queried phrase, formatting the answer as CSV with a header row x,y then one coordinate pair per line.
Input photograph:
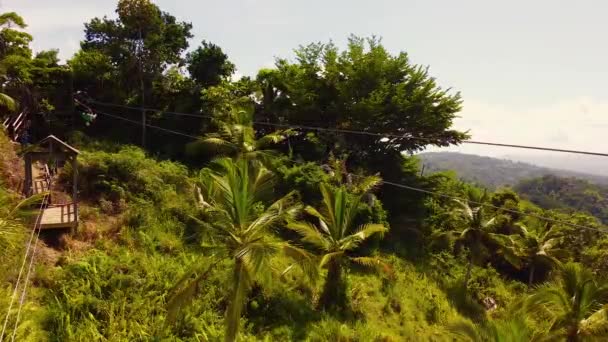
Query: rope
x,y
403,186
27,278
349,131
440,194
38,219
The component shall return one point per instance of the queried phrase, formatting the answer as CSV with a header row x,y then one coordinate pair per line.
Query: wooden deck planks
x,y
61,216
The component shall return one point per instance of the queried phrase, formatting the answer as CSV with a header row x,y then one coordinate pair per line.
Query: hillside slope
x,y
494,172
552,192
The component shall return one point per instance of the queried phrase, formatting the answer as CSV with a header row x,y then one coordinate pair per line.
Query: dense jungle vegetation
x,y
250,232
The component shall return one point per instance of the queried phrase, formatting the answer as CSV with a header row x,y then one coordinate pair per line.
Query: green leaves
x,y
8,102
575,303
334,237
310,234
363,88
235,201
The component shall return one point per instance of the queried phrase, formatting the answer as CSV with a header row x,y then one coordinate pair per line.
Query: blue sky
x,y
530,72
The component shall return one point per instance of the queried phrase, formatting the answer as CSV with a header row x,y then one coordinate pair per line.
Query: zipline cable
x,y
27,251
376,134
403,186
440,194
27,278
147,125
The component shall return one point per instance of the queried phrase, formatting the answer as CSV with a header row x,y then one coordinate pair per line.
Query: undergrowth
x,y
140,238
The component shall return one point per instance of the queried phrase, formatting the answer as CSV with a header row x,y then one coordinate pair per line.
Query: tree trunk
x,y
573,334
334,290
531,277
240,286
467,276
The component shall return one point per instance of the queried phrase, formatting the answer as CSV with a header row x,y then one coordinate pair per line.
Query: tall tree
x,y
240,228
14,46
363,88
476,233
236,137
336,237
140,45
208,65
541,247
32,83
576,304
14,41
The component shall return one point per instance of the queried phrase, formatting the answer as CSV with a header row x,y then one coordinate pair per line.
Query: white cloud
x,y
42,18
573,124
576,124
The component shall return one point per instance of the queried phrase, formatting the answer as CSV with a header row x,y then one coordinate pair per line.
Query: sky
x,y
529,72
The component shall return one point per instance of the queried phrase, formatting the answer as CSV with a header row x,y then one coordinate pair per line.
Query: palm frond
x,y
464,209
310,234
217,145
597,324
306,261
370,262
273,138
10,233
257,253
368,183
465,331
363,233
312,211
326,258
185,288
8,102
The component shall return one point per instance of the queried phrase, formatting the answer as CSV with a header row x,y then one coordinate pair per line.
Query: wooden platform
x,y
59,216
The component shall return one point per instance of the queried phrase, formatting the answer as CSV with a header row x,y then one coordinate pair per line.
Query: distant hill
x,y
495,172
552,192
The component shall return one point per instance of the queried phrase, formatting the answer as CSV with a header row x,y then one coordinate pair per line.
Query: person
x,y
24,137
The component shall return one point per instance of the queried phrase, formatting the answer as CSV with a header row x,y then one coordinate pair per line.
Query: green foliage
x,y
477,234
494,173
362,88
239,228
337,237
128,175
540,248
509,330
235,137
574,305
115,295
571,194
208,65
161,256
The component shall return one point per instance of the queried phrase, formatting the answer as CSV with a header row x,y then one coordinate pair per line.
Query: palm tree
x,y
236,137
8,102
240,230
11,226
477,234
576,304
336,238
540,247
10,232
7,21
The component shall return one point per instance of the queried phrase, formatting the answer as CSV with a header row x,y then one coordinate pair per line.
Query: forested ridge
x,y
495,172
553,192
226,219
